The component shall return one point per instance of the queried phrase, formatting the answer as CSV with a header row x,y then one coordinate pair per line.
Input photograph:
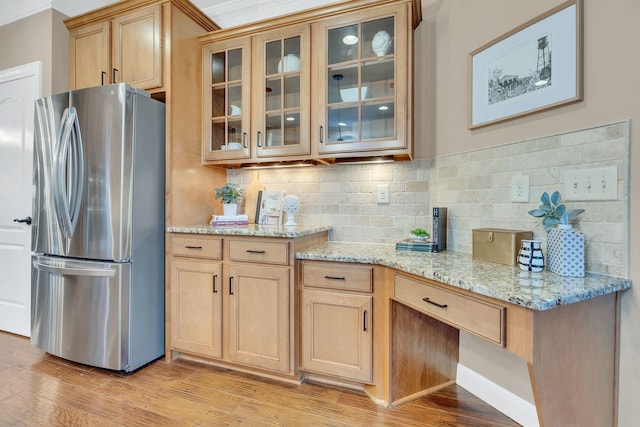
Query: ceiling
x,y
226,13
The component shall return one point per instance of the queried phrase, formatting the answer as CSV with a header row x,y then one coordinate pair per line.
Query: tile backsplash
x,y
475,186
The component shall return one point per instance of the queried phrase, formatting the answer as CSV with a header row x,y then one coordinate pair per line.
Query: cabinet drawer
x,y
478,317
196,247
352,277
259,251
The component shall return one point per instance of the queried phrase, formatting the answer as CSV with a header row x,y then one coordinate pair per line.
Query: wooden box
x,y
498,245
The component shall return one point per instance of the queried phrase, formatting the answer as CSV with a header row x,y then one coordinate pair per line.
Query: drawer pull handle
x,y
251,251
215,277
434,303
193,247
364,321
230,287
335,278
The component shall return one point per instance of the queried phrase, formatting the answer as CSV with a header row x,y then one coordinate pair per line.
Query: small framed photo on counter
x,y
269,208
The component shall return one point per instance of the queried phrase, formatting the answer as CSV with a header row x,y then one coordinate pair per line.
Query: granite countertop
x,y
538,291
252,230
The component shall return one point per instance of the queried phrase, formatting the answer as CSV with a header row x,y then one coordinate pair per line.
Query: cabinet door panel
x,y
89,56
364,77
282,98
337,334
196,307
137,48
226,76
259,316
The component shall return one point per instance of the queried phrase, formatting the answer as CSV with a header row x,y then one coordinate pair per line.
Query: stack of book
x,y
229,221
416,245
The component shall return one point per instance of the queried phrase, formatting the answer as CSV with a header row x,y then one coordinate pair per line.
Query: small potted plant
x,y
553,212
419,234
230,194
565,246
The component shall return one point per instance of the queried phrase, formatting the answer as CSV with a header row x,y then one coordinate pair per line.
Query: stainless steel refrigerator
x,y
97,281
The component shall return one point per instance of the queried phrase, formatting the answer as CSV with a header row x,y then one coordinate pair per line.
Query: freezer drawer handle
x,y
67,271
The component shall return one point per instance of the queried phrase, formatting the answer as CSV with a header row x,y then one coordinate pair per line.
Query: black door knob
x,y
26,220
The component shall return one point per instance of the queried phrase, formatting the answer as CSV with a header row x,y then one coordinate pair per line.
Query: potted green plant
x,y
230,194
565,246
419,234
553,212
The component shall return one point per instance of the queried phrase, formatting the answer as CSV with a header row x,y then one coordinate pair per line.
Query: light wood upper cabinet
x,y
256,97
89,55
126,47
137,48
364,77
328,83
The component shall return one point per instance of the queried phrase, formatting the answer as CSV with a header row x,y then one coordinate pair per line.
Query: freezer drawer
x,y
79,310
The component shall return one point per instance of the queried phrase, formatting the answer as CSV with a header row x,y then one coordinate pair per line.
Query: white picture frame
x,y
269,209
534,67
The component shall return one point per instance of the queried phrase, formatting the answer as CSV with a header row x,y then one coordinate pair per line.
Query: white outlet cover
x,y
520,188
383,193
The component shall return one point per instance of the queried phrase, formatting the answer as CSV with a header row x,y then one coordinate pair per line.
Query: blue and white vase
x,y
530,256
565,251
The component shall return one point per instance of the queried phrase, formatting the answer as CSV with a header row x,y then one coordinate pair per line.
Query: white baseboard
x,y
513,406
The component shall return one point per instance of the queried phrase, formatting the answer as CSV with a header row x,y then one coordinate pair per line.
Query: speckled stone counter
x,y
252,230
538,291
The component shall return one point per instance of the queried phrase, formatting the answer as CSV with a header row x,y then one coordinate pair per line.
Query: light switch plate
x,y
383,193
591,184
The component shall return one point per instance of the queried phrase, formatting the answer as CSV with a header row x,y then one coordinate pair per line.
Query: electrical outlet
x,y
591,184
520,188
383,193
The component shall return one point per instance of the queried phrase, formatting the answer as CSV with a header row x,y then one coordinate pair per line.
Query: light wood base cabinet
x,y
197,307
337,333
259,316
233,301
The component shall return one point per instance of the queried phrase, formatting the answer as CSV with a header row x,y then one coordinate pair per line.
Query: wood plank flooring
x,y
37,389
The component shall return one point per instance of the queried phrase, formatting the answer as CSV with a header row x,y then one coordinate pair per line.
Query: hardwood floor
x,y
37,389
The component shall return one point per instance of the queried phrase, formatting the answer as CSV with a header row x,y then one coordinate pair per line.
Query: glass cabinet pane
x,y
378,37
217,67
378,120
343,124
343,44
273,96
378,79
273,137
235,65
217,101
292,129
292,91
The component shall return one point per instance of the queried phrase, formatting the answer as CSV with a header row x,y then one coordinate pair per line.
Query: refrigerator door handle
x,y
69,163
70,271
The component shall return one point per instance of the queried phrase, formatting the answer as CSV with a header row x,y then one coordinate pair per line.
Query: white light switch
x,y
591,184
383,193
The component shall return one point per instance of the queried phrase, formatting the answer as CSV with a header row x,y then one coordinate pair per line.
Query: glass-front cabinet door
x,y
281,96
363,71
226,100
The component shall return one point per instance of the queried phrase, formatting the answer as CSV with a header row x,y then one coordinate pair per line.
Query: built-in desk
x,y
564,328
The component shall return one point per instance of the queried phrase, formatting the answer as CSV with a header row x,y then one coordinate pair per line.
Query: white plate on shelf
x,y
351,94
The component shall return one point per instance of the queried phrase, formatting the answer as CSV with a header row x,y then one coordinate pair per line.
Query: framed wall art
x,y
536,66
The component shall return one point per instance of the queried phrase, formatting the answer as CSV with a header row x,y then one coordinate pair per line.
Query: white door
x,y
19,88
